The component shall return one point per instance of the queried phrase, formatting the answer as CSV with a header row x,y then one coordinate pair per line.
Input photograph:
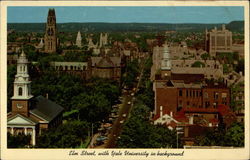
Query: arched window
x,y
20,91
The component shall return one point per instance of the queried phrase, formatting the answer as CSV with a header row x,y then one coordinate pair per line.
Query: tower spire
x,y
22,89
50,32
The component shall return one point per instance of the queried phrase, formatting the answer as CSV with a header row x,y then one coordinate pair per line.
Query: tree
x,y
18,141
68,135
205,56
138,132
11,72
240,66
198,64
235,135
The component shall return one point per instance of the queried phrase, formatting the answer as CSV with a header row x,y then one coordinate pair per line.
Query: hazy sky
x,y
128,14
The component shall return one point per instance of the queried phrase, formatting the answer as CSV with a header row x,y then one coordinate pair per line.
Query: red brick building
x,y
176,95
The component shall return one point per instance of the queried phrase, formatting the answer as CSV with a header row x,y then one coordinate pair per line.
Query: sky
x,y
115,14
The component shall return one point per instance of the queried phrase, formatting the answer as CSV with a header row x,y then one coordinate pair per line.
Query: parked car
x,y
101,138
122,121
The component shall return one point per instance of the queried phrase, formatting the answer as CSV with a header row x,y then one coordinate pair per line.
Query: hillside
x,y
122,27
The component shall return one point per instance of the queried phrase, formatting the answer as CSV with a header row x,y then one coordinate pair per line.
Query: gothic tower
x,y
22,89
50,32
79,40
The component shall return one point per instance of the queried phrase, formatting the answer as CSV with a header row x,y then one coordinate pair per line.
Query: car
x,y
129,102
101,138
124,115
122,121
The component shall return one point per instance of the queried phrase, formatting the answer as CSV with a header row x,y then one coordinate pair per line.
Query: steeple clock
x,y
22,89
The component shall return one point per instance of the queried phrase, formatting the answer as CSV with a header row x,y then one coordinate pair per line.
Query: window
x,y
216,95
190,93
20,91
180,92
205,95
193,93
224,95
187,93
188,103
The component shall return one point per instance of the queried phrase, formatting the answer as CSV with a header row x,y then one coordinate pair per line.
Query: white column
x,y
25,130
33,136
12,130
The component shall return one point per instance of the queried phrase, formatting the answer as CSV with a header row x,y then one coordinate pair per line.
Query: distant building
x,y
106,67
76,68
218,40
50,37
79,40
164,65
103,39
30,115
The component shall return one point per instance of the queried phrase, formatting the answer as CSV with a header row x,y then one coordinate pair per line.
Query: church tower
x,y
22,89
50,32
79,40
166,62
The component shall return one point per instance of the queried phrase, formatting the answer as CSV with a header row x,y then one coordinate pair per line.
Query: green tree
x,y
18,141
68,135
205,56
198,64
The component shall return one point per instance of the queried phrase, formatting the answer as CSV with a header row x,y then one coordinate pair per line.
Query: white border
x,y
42,154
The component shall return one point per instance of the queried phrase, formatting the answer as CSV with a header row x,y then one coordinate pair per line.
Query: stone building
x,y
30,115
176,68
76,68
106,67
50,37
218,40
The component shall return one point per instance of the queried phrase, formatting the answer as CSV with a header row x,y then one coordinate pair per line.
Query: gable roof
x,y
19,119
106,61
46,109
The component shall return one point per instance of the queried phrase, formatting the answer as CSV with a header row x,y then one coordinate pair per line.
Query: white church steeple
x,y
22,88
166,61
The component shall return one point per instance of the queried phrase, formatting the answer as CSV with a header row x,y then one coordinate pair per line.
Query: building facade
x,y
50,37
217,41
106,67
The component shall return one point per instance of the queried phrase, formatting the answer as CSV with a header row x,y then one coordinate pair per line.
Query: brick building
x,y
175,96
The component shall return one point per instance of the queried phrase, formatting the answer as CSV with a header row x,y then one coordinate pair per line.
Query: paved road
x,y
125,108
117,126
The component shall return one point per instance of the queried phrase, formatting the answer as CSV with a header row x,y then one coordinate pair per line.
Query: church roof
x,y
46,109
106,62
